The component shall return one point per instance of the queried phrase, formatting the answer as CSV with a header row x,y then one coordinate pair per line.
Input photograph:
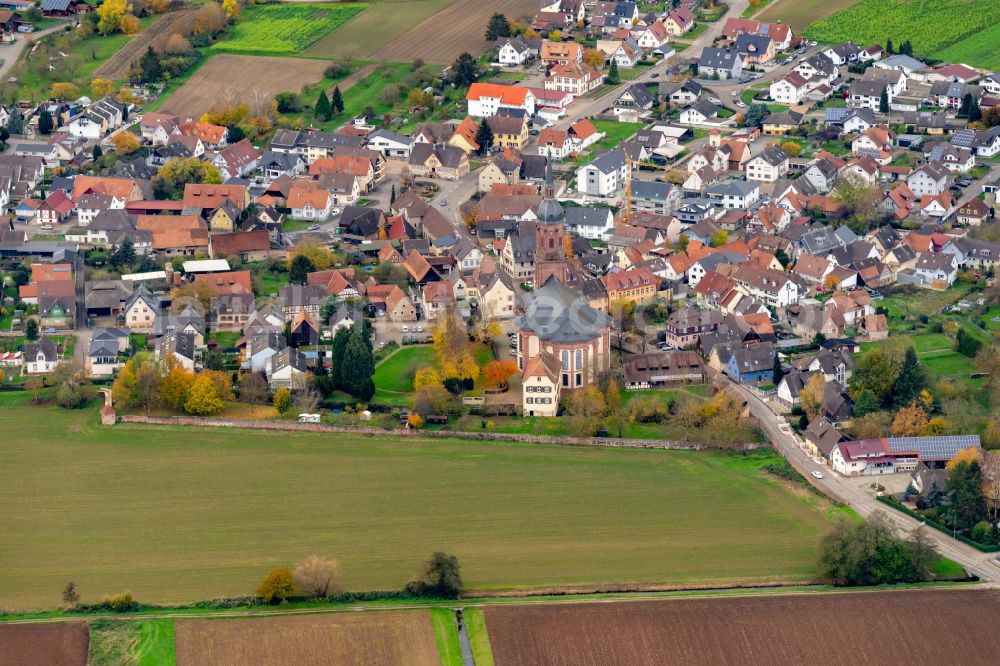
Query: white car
x,y
812,44
406,329
420,329
334,211
733,93
740,104
817,475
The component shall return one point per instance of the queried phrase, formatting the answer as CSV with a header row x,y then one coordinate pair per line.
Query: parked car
x,y
734,93
534,132
654,75
513,352
406,329
817,475
741,104
314,227
812,43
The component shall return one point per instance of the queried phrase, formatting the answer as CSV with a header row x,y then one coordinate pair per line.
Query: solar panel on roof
x,y
963,138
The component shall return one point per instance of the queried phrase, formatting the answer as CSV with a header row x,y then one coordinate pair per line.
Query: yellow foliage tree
x,y
125,143
452,347
125,95
792,148
811,396
102,87
555,36
157,6
110,14
426,377
317,252
278,586
197,295
936,426
223,383
282,400
910,421
415,421
227,115
129,24
203,399
176,385
594,57
65,91
232,7
970,454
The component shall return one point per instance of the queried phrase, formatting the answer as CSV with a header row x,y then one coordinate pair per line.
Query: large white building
x,y
486,99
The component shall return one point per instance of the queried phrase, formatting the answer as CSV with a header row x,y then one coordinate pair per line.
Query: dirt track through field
x,y
369,639
49,644
116,67
459,27
941,626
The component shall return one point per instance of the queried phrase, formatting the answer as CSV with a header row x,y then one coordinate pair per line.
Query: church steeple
x,y
550,233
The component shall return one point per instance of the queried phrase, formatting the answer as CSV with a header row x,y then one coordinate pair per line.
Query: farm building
x,y
897,454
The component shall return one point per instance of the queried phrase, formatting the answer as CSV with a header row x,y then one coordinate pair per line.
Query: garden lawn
x,y
931,25
397,371
614,133
181,513
284,29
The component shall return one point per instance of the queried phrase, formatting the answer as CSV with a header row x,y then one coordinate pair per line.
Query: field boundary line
x,y
517,438
486,601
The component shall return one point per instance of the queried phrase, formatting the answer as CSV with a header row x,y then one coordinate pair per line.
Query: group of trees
x,y
146,383
870,553
352,364
970,499
317,577
326,109
169,182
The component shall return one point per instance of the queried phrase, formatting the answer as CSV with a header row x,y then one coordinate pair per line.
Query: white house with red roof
x,y
486,99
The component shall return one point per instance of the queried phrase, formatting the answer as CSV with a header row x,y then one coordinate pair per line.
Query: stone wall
x,y
368,431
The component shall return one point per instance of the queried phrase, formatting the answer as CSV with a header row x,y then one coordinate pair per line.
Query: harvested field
x,y
369,639
801,13
898,627
440,38
116,67
375,27
239,76
63,644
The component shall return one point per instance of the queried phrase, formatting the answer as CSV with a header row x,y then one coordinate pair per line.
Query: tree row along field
x,y
116,67
181,514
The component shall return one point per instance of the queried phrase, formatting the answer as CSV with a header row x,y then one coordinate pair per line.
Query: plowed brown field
x,y
237,77
461,26
377,638
62,644
878,628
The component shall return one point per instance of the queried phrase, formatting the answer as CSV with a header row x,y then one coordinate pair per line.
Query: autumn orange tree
x,y
811,396
125,143
498,372
910,421
176,384
968,455
204,398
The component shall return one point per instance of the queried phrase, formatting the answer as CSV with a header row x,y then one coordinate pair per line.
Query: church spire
x,y
550,188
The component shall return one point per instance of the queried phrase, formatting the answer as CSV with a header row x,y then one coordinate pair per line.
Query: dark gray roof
x,y
558,314
609,161
45,346
651,190
773,155
581,216
450,156
748,43
289,356
718,58
640,95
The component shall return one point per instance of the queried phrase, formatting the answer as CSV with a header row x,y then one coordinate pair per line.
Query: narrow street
x,y
863,502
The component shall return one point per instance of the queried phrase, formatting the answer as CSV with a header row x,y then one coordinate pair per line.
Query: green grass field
x,y
446,636
180,514
139,642
931,25
375,27
979,49
479,637
395,374
285,29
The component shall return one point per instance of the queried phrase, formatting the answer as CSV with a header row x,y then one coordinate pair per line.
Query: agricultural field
x,y
978,50
238,76
366,639
179,514
442,37
116,67
931,25
801,13
284,29
771,629
365,34
63,644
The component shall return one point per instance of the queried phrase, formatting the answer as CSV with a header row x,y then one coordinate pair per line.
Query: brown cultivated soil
x,y
63,644
458,27
938,626
236,77
371,639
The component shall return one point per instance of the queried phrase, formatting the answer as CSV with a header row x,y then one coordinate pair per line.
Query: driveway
x,y
12,52
859,496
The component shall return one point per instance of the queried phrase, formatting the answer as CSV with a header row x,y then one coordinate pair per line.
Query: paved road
x,y
858,498
12,52
586,107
